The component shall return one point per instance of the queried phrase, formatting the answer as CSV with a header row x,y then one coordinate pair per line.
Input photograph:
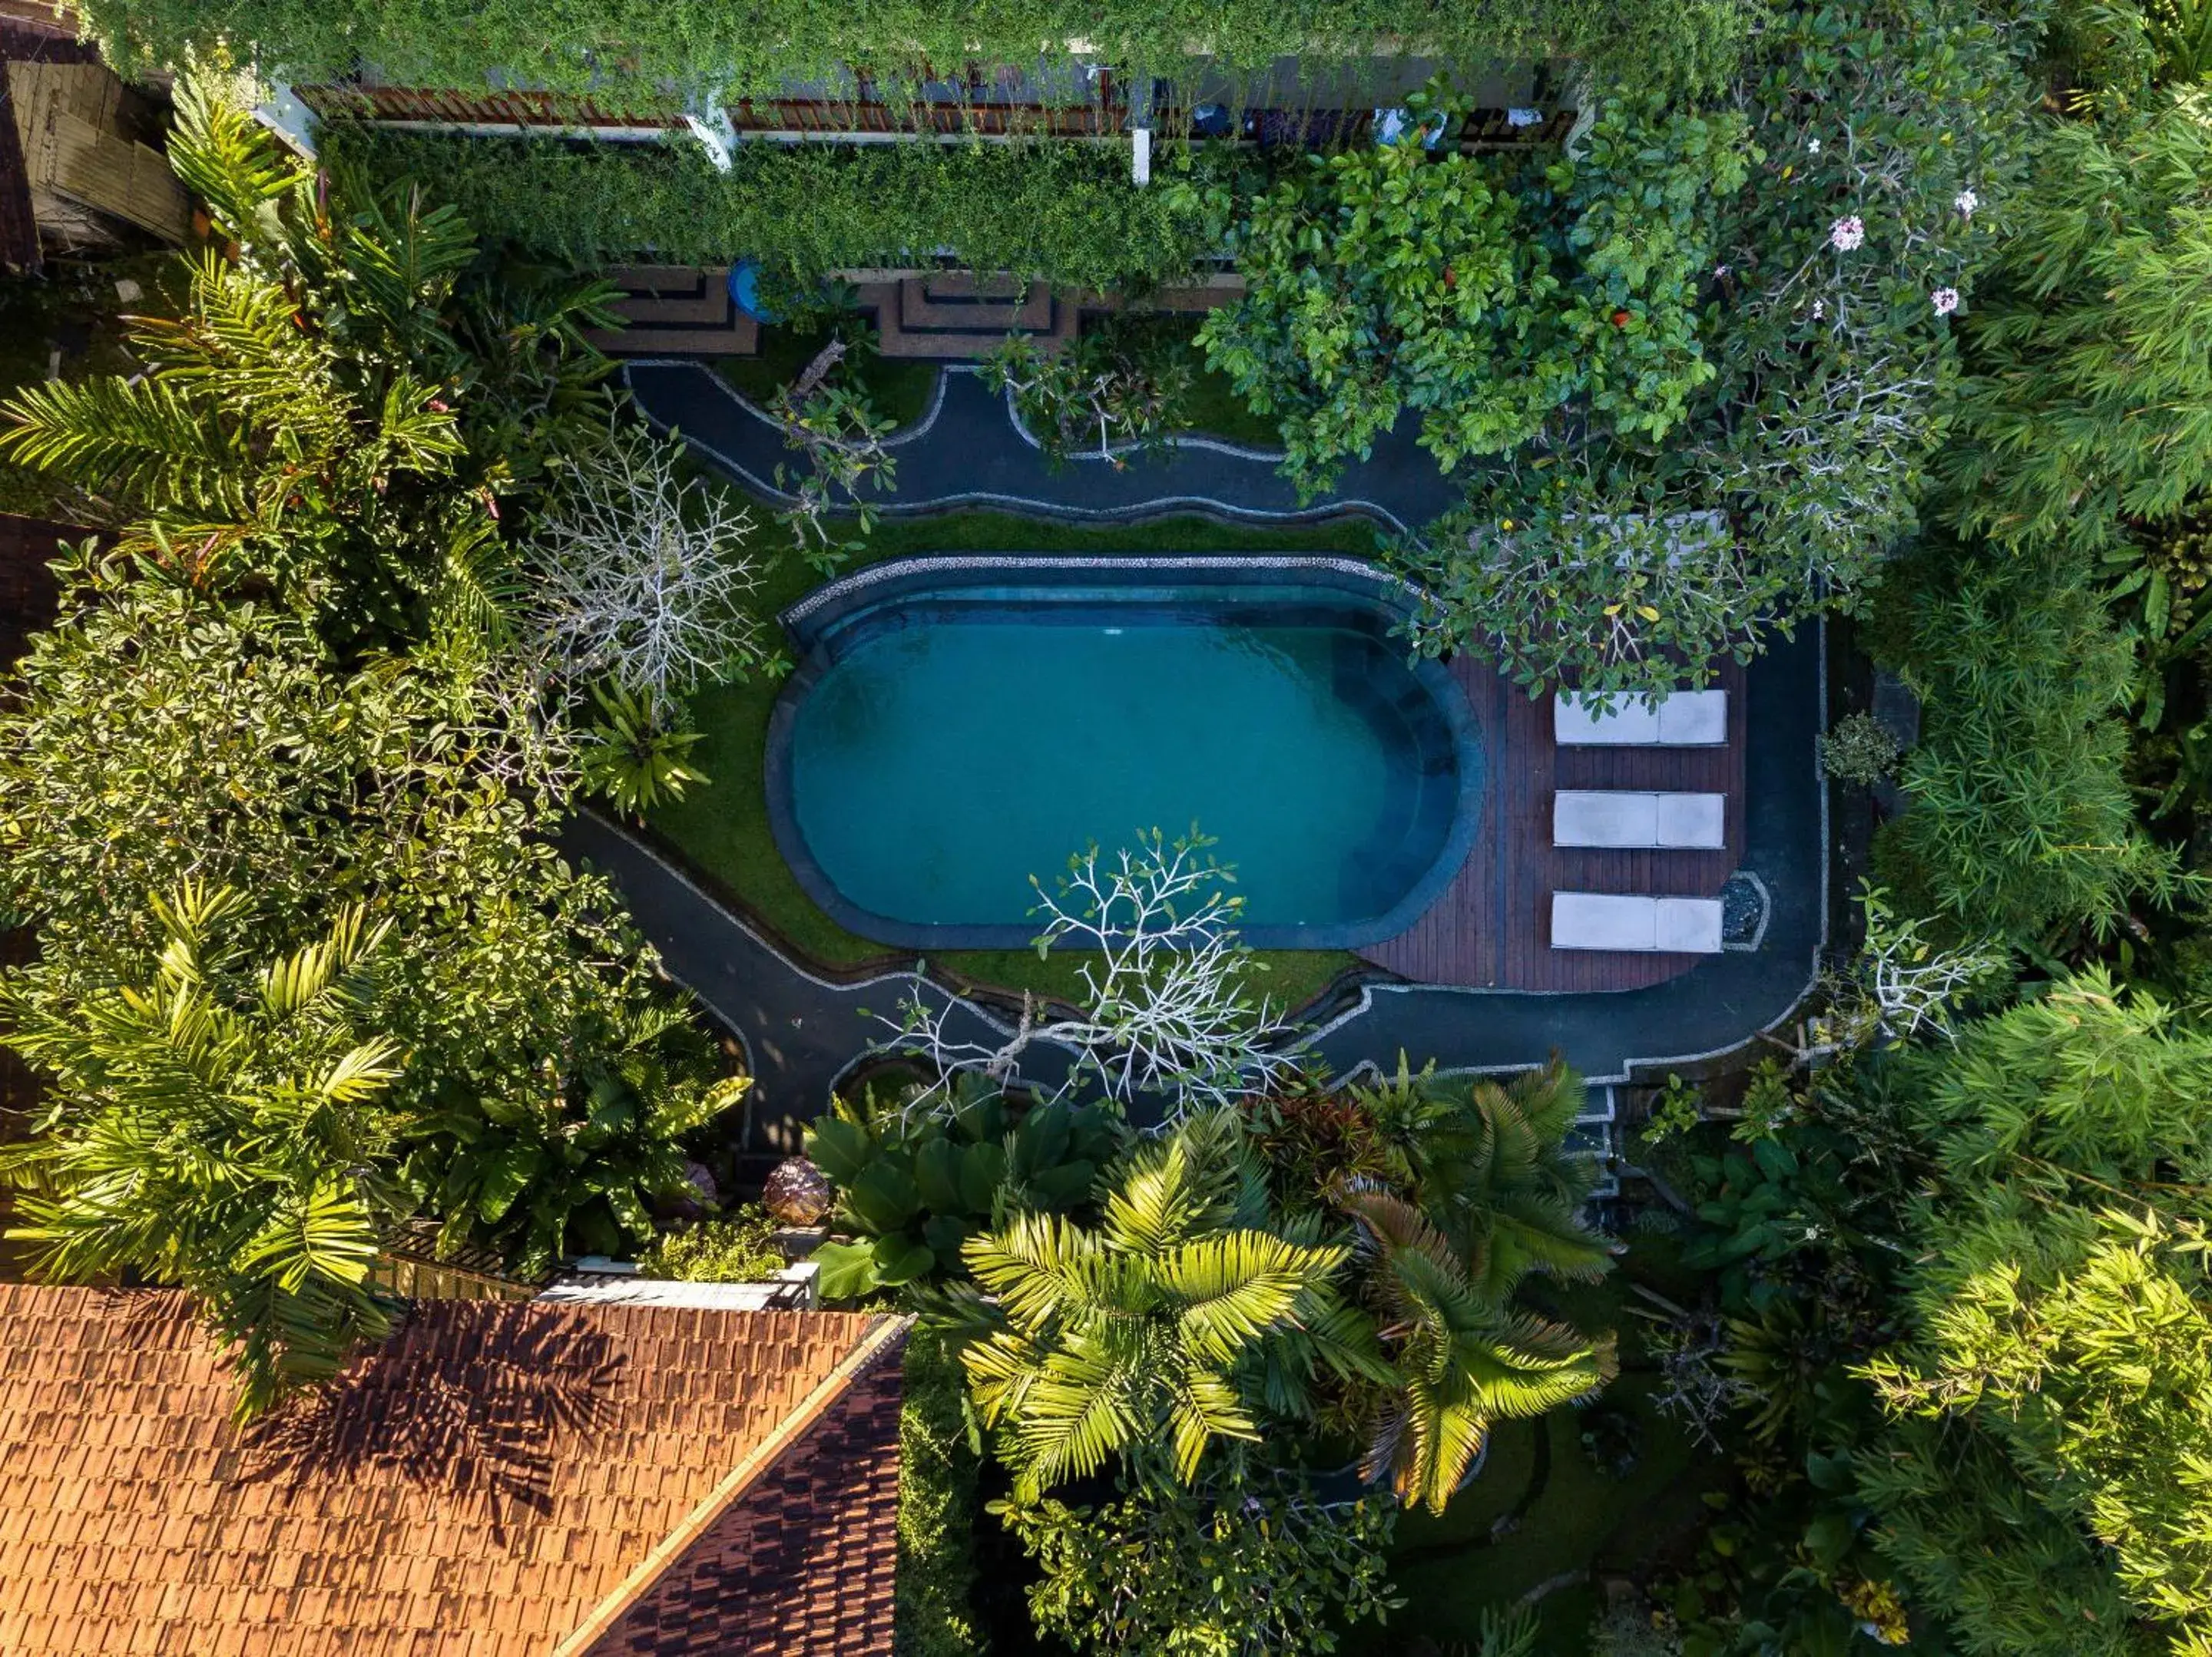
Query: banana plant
x,y
915,1187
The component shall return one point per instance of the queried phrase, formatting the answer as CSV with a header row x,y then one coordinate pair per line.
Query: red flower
x,y
1620,319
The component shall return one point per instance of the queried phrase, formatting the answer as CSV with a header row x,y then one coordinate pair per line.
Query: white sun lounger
x,y
1629,820
1685,718
1609,920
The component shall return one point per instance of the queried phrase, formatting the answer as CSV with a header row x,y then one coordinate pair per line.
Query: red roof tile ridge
x,y
882,1337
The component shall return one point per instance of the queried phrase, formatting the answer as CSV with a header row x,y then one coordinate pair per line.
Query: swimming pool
x,y
957,726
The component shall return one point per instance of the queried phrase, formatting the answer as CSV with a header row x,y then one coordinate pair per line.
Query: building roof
x,y
499,1479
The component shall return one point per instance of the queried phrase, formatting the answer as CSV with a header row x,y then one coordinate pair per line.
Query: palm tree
x,y
1150,1337
216,1129
1464,1360
1487,1164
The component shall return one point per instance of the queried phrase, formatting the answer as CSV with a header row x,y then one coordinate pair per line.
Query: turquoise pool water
x,y
943,752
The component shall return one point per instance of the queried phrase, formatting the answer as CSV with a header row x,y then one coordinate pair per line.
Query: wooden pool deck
x,y
1492,927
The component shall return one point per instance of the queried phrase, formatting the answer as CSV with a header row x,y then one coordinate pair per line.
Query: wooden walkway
x,y
1492,927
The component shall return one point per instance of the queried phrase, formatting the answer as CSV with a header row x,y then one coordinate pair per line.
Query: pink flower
x,y
1846,234
1945,299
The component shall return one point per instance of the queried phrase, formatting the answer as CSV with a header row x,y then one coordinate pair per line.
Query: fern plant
x,y
636,761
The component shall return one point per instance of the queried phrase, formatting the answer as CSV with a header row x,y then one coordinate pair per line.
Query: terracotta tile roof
x,y
501,1479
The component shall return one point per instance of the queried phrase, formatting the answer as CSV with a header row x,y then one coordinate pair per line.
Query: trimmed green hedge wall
x,y
1064,212
575,45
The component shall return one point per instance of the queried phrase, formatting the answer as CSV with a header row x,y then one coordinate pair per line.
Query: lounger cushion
x,y
1631,722
1629,819
1690,925
1686,719
1693,718
1635,925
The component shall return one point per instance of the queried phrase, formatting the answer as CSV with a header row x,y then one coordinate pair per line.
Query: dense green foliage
x,y
2022,817
222,1126
917,1184
290,676
1884,139
1485,293
1257,1569
2059,1304
1152,1337
692,44
1066,213
2088,419
937,1505
736,1249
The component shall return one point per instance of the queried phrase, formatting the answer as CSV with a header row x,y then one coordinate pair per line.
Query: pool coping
x,y
810,620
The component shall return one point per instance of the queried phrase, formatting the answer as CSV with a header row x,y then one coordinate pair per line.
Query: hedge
x,y
937,1506
1063,212
634,46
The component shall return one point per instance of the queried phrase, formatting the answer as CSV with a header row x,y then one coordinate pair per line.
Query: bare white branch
x,y
641,575
1169,1010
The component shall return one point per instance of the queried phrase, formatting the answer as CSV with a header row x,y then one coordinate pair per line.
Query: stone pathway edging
x,y
803,1032
970,451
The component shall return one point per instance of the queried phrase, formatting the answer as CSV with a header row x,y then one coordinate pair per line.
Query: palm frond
x,y
225,157
143,437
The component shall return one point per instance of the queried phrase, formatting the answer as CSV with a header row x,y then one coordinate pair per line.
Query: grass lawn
x,y
899,388
723,827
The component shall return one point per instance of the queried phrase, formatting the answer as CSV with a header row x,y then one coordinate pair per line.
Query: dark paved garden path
x,y
803,1031
969,452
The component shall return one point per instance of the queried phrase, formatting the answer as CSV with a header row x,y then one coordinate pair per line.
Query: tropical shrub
x,y
1123,386
1886,141
730,1248
1459,1190
918,1184
298,423
2085,422
548,1074
2059,1338
1389,278
1064,213
1857,749
937,1505
1153,1337
295,679
635,757
1255,1567
2021,818
222,1126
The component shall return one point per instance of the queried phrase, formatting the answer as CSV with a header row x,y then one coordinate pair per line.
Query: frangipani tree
x,y
639,573
1168,1007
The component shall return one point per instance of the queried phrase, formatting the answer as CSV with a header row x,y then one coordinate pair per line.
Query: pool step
x,y
675,310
